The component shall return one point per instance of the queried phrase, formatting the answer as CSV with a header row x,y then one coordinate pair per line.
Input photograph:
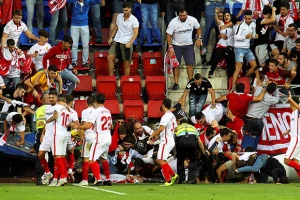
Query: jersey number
x,y
65,119
106,122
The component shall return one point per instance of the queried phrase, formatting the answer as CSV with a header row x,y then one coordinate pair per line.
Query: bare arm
x,y
213,95
54,117
240,13
272,19
169,39
221,98
201,146
156,133
31,36
3,40
260,96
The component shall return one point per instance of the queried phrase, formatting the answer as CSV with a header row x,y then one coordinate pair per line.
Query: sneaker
x,y
145,41
53,183
210,75
175,86
98,183
87,65
166,184
174,178
99,41
62,182
156,41
107,183
71,177
83,183
46,178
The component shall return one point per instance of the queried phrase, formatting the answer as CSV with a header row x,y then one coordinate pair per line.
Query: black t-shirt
x,y
201,89
262,38
9,93
179,111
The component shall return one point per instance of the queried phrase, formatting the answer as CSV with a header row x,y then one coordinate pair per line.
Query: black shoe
x,y
39,181
99,41
145,41
107,183
210,74
203,58
98,183
209,62
87,65
175,86
74,65
156,41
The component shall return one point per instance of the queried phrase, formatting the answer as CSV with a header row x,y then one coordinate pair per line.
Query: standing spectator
x,y
95,12
59,19
149,9
39,4
11,58
244,32
7,8
80,29
257,110
194,8
209,11
172,6
290,40
296,51
238,101
38,50
180,42
60,56
263,44
224,47
121,40
285,63
14,29
256,6
283,20
197,88
165,132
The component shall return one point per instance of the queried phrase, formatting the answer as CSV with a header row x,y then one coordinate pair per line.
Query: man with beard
x,y
286,64
180,42
289,41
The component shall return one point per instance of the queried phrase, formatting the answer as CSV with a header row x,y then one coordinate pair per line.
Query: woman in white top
x,y
224,46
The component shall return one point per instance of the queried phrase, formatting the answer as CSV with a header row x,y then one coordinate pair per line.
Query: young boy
x,y
38,50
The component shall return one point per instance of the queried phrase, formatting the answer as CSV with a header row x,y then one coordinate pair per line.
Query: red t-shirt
x,y
279,77
238,103
236,125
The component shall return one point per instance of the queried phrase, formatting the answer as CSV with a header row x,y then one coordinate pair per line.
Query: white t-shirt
x,y
42,50
49,111
147,131
62,121
125,28
215,113
182,32
73,115
13,57
230,36
14,31
101,118
89,133
1,82
18,127
266,80
219,146
168,120
295,122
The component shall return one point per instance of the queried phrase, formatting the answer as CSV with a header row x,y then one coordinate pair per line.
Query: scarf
x,y
171,62
256,7
55,5
282,21
10,59
295,10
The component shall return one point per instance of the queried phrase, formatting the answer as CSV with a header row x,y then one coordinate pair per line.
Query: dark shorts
x,y
117,6
187,52
119,49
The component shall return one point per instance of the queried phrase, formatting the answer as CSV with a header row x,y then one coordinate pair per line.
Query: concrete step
x,y
217,82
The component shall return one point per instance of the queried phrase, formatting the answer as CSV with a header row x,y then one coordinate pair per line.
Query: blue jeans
x,y
259,163
68,75
84,33
210,20
257,124
172,7
149,10
58,22
39,13
95,13
15,80
196,103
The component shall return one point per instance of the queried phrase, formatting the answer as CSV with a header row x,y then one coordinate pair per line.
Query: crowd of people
x,y
204,145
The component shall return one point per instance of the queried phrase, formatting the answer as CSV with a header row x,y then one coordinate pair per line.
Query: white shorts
x,y
86,148
59,145
70,143
46,144
164,150
293,150
99,148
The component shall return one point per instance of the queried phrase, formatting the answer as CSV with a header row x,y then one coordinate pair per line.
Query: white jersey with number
x,y
73,115
62,121
168,120
89,133
295,122
49,111
41,51
101,118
